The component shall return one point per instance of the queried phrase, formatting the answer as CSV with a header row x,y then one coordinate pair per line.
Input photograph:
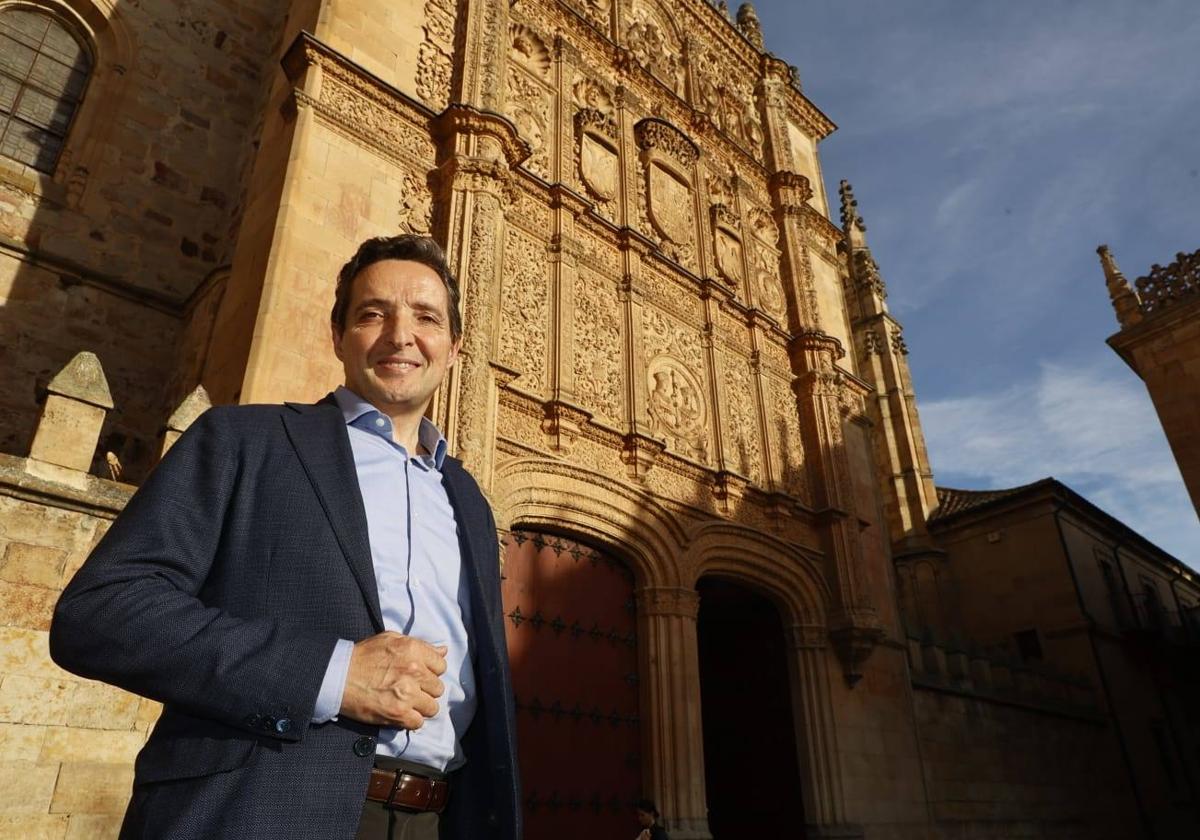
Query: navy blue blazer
x,y
221,590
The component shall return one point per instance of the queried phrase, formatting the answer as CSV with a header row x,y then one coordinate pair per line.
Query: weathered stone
x,y
91,788
34,700
34,827
21,742
32,564
71,744
25,787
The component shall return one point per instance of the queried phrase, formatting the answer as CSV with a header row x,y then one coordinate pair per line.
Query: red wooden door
x,y
571,626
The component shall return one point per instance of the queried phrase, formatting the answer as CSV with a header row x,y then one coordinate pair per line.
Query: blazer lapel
x,y
474,546
318,433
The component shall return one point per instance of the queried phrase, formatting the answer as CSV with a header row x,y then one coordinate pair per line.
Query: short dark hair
x,y
407,246
646,806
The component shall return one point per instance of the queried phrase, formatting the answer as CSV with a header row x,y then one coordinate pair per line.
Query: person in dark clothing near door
x,y
647,816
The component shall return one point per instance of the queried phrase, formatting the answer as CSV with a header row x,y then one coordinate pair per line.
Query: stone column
x,y
671,708
816,735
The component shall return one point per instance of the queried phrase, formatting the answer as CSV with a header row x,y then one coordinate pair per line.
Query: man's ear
x,y
335,334
454,348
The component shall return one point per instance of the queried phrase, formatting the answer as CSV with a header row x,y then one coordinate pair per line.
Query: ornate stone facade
x,y
658,356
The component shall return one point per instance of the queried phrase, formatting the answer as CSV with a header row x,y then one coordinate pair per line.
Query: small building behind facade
x,y
731,584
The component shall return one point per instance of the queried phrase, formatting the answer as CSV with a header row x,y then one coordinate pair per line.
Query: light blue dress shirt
x,y
419,576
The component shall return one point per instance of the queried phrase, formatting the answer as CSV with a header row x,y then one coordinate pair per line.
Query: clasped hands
x,y
394,681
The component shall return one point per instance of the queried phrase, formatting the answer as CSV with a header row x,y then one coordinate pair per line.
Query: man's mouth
x,y
399,365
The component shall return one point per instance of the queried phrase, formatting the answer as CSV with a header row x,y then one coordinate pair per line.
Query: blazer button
x,y
364,746
283,726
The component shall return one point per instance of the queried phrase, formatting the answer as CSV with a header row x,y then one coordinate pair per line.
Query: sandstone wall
x,y
66,744
103,253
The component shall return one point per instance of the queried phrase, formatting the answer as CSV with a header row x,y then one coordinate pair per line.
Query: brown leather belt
x,y
399,789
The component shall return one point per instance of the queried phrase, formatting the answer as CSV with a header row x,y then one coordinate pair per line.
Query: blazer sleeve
x,y
133,615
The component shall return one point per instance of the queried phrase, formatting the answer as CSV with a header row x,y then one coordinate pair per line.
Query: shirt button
x,y
364,746
380,422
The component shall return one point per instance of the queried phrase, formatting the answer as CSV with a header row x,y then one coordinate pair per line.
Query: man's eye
x,y
370,316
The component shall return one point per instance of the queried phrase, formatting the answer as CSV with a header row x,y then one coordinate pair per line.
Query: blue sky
x,y
992,146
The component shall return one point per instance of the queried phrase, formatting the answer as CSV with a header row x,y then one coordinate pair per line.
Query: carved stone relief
x,y
745,447
599,163
651,44
529,50
785,431
416,206
524,309
727,242
599,359
587,93
597,12
677,407
434,57
529,104
768,285
675,395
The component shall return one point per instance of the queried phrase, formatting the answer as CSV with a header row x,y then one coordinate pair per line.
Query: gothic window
x,y
44,69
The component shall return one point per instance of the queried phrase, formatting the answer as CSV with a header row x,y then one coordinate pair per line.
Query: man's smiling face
x,y
396,346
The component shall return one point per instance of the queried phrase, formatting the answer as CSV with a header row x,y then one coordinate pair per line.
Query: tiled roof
x,y
952,501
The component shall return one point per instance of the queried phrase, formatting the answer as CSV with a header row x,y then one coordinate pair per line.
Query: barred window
x,y
43,71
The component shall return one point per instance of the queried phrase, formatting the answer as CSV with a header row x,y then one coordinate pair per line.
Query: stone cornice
x,y
464,119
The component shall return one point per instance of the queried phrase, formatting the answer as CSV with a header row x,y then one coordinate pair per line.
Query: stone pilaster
x,y
816,734
672,708
821,391
791,193
485,55
478,152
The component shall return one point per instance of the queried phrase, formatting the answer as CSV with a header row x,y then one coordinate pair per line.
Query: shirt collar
x,y
356,410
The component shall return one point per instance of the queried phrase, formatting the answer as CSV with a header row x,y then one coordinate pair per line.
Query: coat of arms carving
x,y
599,164
670,201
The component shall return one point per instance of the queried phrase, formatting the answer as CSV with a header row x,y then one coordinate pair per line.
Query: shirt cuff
x,y
329,700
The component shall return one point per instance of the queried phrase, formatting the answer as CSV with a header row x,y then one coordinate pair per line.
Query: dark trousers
x,y
379,822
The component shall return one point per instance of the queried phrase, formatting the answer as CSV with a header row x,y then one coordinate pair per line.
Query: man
x,y
312,591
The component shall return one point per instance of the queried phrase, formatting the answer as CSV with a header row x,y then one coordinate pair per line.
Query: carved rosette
x,y
677,407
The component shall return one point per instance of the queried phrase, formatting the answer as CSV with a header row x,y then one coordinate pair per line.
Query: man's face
x,y
645,818
396,346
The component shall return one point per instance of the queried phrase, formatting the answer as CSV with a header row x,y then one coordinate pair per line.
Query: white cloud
x,y
1092,427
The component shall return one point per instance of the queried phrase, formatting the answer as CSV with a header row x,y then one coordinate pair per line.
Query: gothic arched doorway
x,y
572,639
751,773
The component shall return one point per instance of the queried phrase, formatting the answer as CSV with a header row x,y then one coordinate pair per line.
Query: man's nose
x,y
399,330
